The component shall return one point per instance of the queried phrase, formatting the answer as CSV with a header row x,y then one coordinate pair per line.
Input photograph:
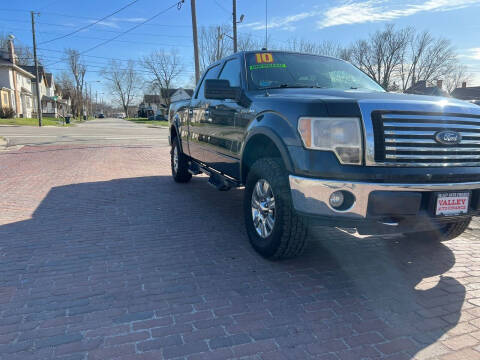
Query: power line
x,y
89,25
91,62
76,17
101,71
222,7
83,37
63,25
92,56
131,41
178,4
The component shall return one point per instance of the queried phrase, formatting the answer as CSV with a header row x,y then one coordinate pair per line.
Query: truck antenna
x,y
266,24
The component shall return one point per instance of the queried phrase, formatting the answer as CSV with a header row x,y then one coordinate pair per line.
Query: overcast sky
x,y
342,21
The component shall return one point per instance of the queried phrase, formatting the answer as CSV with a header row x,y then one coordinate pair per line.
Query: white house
x,y
153,105
16,81
181,94
47,92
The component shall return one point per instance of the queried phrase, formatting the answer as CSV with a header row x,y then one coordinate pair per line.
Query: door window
x,y
231,72
212,73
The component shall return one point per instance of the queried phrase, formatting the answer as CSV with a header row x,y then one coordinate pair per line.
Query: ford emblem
x,y
448,137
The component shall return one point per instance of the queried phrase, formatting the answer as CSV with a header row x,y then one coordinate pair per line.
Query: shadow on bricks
x,y
144,265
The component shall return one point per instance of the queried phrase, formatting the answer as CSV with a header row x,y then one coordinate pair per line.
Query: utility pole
x,y
195,40
91,106
234,15
39,102
85,104
219,37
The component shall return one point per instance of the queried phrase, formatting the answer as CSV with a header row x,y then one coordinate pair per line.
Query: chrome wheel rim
x,y
175,159
263,208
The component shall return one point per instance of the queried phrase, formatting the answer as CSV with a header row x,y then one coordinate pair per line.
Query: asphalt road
x,y
99,131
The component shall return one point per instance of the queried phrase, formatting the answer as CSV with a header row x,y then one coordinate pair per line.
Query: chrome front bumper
x,y
311,196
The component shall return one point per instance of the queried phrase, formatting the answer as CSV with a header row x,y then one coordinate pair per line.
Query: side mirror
x,y
221,90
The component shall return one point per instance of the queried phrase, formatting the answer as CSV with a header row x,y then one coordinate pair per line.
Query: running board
x,y
216,179
219,182
194,168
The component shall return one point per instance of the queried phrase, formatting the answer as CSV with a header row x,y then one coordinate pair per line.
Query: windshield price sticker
x,y
264,58
267,66
452,203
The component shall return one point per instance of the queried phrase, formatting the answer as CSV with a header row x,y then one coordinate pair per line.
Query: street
x,y
99,131
104,256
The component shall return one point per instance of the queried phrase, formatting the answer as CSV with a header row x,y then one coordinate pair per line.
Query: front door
x,y
220,125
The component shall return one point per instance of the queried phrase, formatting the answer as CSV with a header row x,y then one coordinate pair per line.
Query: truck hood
x,y
330,95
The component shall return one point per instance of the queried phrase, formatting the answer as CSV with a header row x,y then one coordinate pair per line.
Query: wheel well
x,y
258,147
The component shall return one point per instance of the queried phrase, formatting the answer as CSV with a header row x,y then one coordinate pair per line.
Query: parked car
x,y
101,116
314,138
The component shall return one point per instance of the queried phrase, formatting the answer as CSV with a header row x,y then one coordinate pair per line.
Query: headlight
x,y
340,135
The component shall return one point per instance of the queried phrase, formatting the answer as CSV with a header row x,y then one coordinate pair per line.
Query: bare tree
x,y
246,42
325,48
164,68
381,55
438,61
427,58
122,82
77,69
456,77
214,44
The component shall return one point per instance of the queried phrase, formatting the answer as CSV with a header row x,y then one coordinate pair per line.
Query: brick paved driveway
x,y
103,256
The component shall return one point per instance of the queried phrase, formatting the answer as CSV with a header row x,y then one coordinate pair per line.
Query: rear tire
x,y
287,237
447,232
179,163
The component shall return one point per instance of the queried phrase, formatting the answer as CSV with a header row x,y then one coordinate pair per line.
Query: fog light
x,y
336,199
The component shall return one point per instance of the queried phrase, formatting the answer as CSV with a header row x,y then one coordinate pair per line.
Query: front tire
x,y
275,230
447,232
179,163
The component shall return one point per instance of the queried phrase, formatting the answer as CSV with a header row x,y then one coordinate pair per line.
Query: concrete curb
x,y
3,143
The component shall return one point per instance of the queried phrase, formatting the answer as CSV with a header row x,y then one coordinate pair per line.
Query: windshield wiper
x,y
291,86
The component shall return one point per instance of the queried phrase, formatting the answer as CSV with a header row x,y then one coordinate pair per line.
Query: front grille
x,y
408,138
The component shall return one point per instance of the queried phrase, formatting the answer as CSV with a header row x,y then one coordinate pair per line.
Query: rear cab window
x,y
212,73
231,71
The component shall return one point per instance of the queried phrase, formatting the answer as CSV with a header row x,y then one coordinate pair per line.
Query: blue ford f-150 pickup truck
x,y
313,137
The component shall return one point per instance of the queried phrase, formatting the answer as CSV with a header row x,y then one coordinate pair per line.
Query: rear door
x,y
224,137
197,136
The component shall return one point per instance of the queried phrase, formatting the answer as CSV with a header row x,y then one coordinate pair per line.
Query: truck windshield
x,y
286,70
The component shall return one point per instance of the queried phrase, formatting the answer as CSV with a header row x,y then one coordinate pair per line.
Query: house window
x,y
5,99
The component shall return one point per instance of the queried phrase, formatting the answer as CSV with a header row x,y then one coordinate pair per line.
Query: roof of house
x,y
31,69
420,88
467,93
169,93
8,63
157,99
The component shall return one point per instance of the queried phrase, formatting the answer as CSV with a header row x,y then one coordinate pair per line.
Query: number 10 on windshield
x,y
264,58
